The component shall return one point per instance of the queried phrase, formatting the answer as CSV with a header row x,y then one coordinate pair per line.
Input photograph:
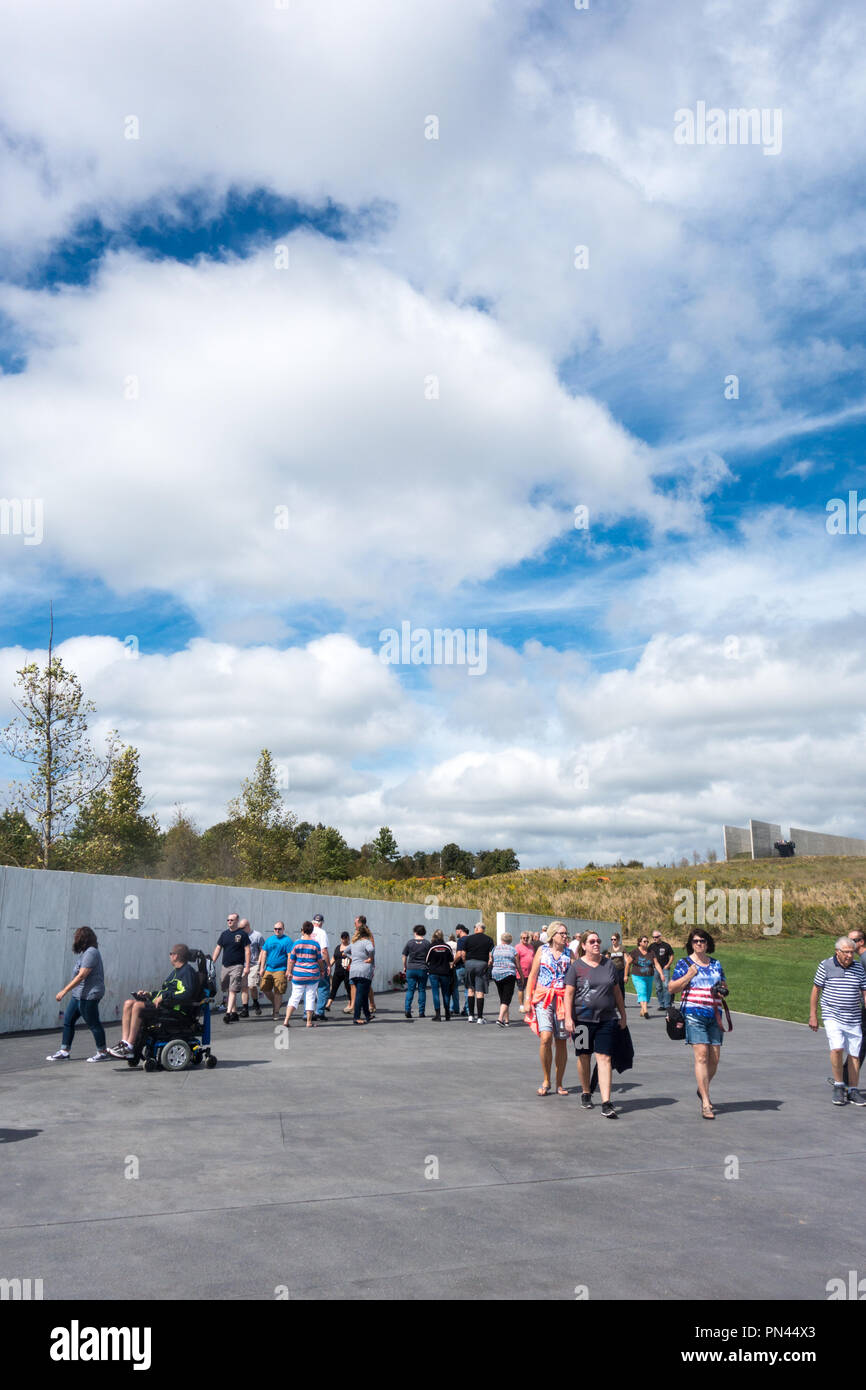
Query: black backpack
x,y
206,970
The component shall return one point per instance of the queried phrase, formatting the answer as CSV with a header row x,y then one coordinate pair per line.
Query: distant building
x,y
763,840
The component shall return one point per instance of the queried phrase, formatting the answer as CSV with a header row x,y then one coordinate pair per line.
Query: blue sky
x,y
169,385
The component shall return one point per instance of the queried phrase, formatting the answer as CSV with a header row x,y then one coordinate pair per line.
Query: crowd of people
x,y
567,990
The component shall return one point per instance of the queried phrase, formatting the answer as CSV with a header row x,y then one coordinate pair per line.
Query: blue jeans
x,y
459,979
362,997
88,1009
441,984
662,991
322,993
416,979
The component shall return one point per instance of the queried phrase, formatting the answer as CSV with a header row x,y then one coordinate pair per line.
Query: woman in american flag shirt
x,y
699,974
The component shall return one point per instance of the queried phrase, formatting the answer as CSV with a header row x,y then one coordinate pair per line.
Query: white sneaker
x,y
58,1056
99,1057
481,1020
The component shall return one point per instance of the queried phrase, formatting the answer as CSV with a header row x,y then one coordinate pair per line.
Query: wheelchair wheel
x,y
175,1055
150,1064
210,1062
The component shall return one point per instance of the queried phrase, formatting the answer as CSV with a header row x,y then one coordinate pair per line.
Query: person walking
x,y
235,947
440,971
859,941
320,936
663,953
250,977
275,954
476,951
840,982
504,973
461,933
340,973
545,991
361,968
594,1014
305,967
85,989
699,976
616,956
415,970
642,964
525,956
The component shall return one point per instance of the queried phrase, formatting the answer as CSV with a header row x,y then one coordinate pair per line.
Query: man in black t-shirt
x,y
235,947
474,953
664,954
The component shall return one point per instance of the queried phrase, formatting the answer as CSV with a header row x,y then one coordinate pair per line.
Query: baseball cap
x,y
318,917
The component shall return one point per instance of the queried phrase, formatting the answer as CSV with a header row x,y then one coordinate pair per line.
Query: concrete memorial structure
x,y
758,841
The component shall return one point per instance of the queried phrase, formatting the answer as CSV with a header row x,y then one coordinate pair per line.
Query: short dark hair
x,y
344,936
182,951
83,939
307,928
460,927
700,931
419,930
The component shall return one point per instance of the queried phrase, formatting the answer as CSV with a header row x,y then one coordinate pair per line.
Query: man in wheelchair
x,y
177,999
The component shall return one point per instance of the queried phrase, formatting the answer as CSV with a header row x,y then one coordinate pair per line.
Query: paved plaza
x,y
305,1170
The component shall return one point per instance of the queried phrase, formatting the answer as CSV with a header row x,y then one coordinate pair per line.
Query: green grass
x,y
773,977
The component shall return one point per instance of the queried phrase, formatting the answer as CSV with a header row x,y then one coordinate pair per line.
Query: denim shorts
x,y
549,1023
703,1030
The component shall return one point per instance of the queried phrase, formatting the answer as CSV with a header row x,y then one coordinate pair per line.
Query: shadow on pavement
x,y
12,1136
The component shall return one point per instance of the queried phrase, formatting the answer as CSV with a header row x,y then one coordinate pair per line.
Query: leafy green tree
x,y
49,734
325,855
264,842
111,835
384,847
181,847
219,858
495,861
19,843
455,860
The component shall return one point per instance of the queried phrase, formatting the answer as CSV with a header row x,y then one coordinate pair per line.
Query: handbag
x,y
675,1019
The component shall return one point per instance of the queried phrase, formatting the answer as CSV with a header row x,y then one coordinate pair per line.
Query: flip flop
x,y
543,1091
561,1091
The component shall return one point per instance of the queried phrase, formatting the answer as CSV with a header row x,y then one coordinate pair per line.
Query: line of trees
x,y
84,811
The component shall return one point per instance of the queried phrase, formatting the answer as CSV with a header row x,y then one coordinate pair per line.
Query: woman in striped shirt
x,y
699,975
306,967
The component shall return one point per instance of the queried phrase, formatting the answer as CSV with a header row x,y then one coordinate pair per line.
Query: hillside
x,y
818,895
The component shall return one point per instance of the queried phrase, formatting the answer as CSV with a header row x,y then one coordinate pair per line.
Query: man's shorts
x,y
476,976
596,1037
231,978
274,979
843,1037
251,979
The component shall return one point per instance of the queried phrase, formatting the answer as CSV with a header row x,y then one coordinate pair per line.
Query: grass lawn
x,y
772,977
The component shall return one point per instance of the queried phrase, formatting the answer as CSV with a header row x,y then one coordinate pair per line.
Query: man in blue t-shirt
x,y
276,954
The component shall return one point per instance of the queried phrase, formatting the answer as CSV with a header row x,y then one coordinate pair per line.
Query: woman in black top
x,y
340,973
440,970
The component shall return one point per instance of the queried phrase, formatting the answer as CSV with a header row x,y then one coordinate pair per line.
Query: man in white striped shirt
x,y
840,981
